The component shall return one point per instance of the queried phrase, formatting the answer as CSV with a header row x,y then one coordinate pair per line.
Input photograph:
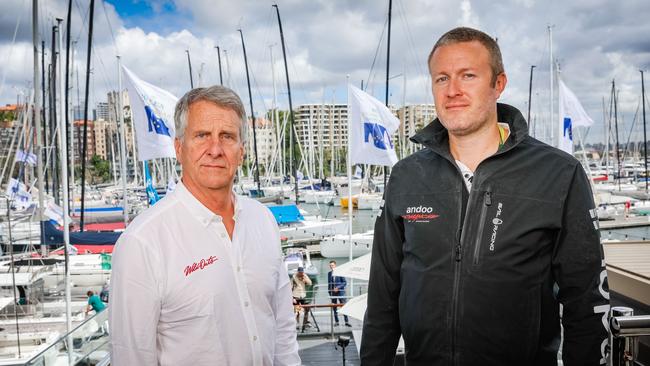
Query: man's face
x,y
211,149
332,265
462,87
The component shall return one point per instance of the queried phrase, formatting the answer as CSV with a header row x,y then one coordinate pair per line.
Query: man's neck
x,y
220,202
472,149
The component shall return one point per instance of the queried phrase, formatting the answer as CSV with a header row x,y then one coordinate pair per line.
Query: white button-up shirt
x,y
184,293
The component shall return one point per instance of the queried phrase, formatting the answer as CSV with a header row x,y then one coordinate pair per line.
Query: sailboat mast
x,y
85,131
66,108
294,168
189,64
530,94
37,121
645,139
256,176
390,11
54,115
551,71
219,59
120,118
618,159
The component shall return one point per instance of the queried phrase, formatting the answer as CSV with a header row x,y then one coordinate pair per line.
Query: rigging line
x,y
110,27
374,60
11,50
84,18
108,83
409,38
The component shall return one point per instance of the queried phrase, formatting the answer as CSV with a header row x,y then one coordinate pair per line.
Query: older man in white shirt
x,y
198,279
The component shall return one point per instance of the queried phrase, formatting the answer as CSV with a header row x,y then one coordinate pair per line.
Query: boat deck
x,y
628,269
321,352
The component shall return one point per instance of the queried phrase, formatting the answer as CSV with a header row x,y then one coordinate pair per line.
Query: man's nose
x,y
453,87
215,147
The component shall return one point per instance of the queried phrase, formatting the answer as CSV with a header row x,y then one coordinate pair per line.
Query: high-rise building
x,y
266,141
101,111
101,133
90,138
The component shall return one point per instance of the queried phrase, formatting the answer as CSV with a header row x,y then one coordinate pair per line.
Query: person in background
x,y
299,283
336,289
94,303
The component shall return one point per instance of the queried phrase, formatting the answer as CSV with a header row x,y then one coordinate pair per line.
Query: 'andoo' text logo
x,y
199,265
419,214
496,221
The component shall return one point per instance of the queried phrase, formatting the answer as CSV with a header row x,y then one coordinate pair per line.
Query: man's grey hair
x,y
465,34
219,95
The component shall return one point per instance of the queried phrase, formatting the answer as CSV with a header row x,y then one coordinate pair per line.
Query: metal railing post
x,y
620,350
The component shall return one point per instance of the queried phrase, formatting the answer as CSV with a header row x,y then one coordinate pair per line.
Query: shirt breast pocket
x,y
187,311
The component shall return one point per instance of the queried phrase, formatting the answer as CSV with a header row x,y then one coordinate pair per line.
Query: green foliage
x,y
7,116
100,170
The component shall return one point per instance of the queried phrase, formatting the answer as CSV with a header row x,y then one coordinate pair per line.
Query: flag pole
x,y
349,169
120,118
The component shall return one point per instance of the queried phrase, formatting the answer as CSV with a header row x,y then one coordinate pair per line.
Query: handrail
x,y
631,326
103,313
624,330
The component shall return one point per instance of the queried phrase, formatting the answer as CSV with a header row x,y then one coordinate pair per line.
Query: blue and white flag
x,y
371,124
151,191
26,157
18,194
358,172
152,111
572,114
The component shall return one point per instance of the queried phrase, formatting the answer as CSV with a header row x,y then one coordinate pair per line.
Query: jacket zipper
x,y
487,201
457,266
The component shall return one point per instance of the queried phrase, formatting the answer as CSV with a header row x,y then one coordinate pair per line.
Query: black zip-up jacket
x,y
475,279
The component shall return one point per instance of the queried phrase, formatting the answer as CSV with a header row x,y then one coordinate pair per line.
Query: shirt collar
x,y
199,210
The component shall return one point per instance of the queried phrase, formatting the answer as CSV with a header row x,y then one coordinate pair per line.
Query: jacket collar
x,y
435,136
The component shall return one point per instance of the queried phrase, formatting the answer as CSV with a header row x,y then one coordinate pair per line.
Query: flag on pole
x,y
371,124
151,191
17,192
152,111
26,157
572,114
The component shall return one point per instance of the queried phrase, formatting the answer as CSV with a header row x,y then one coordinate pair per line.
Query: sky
x,y
332,42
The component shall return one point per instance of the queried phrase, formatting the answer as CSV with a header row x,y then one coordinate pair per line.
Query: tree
x,y
100,170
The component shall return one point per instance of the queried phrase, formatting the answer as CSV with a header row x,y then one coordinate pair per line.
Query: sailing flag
x,y
572,114
26,157
55,212
371,124
358,172
18,193
151,191
153,117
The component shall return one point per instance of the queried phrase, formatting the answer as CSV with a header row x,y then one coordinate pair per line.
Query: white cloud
x,y
327,40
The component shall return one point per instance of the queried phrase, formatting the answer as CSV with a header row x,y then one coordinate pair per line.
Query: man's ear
x,y
177,148
500,84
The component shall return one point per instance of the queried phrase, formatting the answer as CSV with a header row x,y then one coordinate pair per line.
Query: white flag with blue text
x,y
371,124
17,192
152,110
26,157
572,115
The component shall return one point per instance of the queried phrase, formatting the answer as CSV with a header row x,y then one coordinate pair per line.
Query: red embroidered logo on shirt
x,y
199,265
